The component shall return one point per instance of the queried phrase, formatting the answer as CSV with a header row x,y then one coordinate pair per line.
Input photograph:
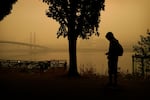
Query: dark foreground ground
x,y
53,85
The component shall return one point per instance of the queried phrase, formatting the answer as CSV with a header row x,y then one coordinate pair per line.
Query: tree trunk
x,y
73,72
72,39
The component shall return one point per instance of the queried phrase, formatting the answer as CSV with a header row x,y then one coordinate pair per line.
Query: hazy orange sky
x,y
127,19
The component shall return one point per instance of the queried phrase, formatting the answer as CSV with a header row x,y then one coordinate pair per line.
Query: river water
x,y
96,60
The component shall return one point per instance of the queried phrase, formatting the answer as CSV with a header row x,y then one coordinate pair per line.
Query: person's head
x,y
109,36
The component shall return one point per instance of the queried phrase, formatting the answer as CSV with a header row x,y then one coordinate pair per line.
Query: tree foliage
x,y
5,7
84,14
142,49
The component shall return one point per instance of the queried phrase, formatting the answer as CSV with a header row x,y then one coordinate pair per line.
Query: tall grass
x,y
90,72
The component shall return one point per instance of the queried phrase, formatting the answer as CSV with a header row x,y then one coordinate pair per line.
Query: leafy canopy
x,y
143,47
83,14
6,7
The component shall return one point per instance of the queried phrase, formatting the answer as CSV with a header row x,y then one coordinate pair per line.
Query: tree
x,y
142,50
143,47
6,7
77,18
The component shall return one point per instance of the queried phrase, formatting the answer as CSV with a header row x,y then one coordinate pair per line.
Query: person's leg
x,y
110,77
115,70
110,71
115,77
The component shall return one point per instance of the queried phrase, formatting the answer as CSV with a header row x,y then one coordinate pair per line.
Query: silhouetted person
x,y
41,67
112,56
65,65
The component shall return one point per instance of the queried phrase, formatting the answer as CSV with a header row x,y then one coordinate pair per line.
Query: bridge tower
x,y
32,41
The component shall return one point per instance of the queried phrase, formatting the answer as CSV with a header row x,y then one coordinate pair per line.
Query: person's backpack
x,y
119,49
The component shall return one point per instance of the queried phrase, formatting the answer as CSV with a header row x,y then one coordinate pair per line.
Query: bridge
x,y
23,43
